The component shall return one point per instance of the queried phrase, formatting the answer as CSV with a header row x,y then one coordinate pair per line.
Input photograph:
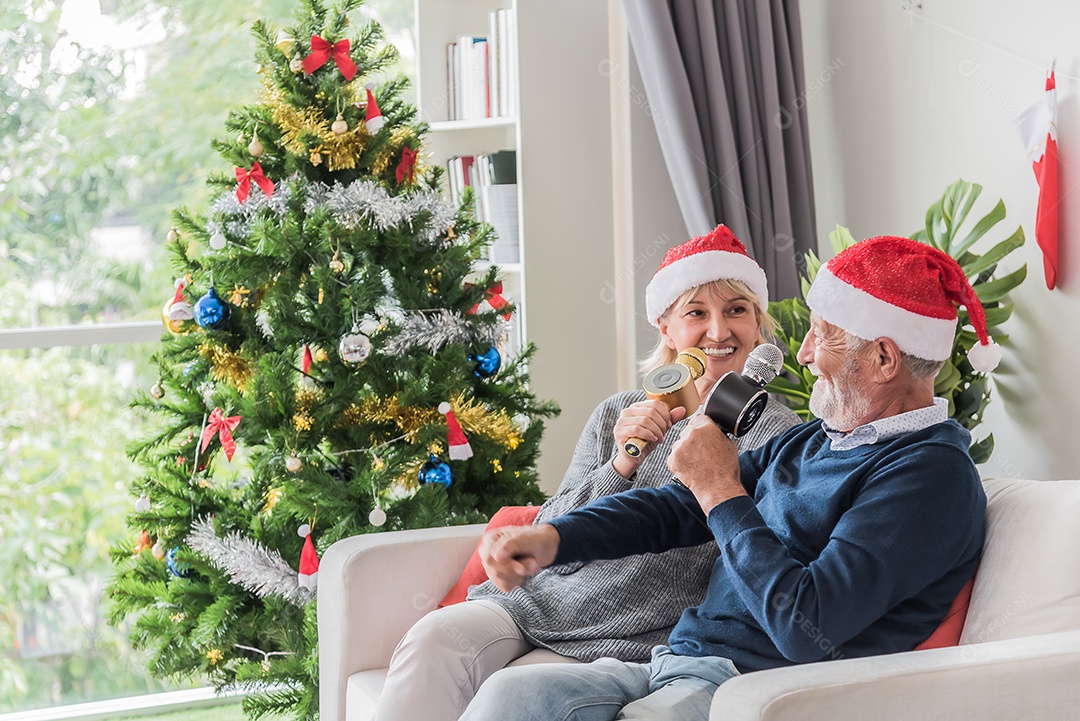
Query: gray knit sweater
x,y
624,607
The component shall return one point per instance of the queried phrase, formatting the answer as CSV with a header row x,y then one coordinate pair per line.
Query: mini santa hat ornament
x,y
308,576
373,117
890,287
716,256
460,450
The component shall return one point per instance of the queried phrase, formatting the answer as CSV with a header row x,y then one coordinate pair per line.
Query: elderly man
x,y
848,536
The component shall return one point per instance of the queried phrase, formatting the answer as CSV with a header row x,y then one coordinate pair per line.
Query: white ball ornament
x,y
377,517
293,464
142,505
158,551
339,126
218,240
255,147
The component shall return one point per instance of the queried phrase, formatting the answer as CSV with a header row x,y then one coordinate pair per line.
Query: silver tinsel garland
x,y
364,200
235,219
359,201
249,563
435,329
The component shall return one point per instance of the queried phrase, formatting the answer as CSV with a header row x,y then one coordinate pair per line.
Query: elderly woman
x,y
709,294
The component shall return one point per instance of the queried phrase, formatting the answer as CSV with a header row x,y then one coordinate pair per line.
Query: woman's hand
x,y
649,421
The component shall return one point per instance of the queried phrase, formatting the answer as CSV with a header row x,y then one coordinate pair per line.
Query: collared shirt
x,y
889,427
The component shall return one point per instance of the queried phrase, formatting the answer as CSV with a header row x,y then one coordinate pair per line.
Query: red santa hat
x,y
308,576
373,117
899,288
459,448
716,256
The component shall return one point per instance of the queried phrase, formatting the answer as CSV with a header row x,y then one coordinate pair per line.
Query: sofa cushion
x,y
1028,582
474,572
948,632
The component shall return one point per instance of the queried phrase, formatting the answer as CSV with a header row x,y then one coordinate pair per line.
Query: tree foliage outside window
x,y
92,137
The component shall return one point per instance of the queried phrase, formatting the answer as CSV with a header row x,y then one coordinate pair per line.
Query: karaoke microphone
x,y
673,385
737,401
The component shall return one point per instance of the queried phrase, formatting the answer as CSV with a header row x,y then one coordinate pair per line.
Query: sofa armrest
x,y
372,589
1031,677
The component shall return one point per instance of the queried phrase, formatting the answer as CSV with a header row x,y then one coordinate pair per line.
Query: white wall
x,y
900,107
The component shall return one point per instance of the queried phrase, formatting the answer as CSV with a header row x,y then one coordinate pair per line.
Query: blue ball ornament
x,y
435,471
211,311
487,363
176,568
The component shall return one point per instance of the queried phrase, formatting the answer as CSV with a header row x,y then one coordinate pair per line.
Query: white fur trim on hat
x,y
676,278
867,317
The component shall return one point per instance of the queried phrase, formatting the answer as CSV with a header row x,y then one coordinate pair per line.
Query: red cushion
x,y
948,633
474,572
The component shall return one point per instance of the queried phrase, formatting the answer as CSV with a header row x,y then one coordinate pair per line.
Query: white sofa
x,y
1019,656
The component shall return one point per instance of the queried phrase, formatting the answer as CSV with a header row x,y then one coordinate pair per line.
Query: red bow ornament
x,y
244,178
223,427
407,166
495,299
321,50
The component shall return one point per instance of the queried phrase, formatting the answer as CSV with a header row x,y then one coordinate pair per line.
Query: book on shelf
x,y
480,80
493,178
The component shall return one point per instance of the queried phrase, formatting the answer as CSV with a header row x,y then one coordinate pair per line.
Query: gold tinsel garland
x,y
227,366
473,417
340,152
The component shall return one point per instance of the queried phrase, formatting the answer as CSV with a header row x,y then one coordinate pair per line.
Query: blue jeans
x,y
679,688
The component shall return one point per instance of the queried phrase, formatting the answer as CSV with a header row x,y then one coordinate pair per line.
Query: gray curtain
x,y
724,79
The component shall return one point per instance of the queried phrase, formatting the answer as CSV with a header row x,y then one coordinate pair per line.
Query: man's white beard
x,y
839,409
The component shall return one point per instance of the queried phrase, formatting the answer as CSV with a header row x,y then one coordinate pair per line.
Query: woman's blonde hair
x,y
662,354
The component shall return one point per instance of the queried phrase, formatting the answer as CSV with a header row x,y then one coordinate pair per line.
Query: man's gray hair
x,y
920,368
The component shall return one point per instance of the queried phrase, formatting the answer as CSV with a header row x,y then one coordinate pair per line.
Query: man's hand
x,y
707,462
513,553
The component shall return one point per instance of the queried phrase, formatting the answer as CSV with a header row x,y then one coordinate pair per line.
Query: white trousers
x,y
443,659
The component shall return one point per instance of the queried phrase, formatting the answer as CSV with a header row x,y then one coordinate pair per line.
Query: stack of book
x,y
493,178
481,81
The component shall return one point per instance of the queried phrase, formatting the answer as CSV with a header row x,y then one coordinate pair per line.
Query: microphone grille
x,y
764,363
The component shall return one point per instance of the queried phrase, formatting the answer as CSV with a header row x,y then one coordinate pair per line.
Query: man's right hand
x,y
513,553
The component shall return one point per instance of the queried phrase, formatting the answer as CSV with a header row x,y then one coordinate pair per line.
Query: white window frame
x,y
80,335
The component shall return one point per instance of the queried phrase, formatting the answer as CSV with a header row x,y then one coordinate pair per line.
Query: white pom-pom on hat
x,y
984,357
304,530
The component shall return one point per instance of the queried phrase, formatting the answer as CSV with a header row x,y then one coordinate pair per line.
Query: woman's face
x,y
723,325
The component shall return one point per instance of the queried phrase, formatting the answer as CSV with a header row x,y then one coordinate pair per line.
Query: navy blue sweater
x,y
837,554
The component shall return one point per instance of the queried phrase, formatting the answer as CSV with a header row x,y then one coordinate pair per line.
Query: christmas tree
x,y
333,366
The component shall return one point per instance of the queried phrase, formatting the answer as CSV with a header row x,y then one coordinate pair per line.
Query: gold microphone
x,y
673,385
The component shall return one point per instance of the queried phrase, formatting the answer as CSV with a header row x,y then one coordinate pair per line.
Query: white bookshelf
x,y
561,130
439,22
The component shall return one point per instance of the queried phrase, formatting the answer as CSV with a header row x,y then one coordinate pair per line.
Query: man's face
x,y
840,396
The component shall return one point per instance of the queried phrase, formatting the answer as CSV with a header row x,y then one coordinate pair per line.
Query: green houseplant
x,y
967,390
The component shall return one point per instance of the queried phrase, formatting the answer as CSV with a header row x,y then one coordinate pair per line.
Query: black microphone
x,y
737,401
